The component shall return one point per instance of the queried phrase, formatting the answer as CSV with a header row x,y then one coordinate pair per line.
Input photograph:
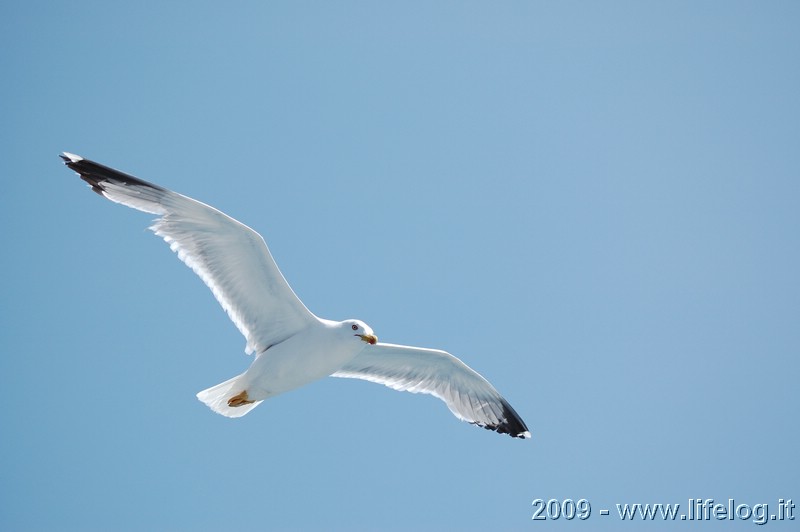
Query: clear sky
x,y
594,204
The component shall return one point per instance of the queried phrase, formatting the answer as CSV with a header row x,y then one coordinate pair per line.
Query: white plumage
x,y
292,346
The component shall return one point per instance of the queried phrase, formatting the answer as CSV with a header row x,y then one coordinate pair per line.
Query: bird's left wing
x,y
414,369
232,259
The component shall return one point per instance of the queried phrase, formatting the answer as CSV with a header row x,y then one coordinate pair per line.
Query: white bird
x,y
292,346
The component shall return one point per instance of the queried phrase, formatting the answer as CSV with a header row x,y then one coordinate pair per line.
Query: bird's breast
x,y
300,359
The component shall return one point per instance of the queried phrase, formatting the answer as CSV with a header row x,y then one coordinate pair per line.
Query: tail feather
x,y
216,398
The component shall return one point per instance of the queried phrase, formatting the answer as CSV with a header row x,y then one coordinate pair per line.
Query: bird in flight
x,y
292,346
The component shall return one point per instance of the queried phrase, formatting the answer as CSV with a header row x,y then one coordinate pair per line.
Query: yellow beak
x,y
369,338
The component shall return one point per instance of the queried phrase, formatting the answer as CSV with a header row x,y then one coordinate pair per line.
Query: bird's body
x,y
324,348
318,351
292,346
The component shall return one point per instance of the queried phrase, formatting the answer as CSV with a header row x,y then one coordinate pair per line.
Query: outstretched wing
x,y
232,259
413,369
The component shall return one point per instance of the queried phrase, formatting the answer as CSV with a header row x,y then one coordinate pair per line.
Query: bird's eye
x,y
355,327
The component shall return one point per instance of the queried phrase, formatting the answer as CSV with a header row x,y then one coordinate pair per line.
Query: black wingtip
x,y
74,162
70,159
95,173
512,423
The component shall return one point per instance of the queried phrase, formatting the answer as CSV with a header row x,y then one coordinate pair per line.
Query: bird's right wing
x,y
232,259
469,396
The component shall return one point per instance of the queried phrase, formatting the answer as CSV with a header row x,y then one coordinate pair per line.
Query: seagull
x,y
292,346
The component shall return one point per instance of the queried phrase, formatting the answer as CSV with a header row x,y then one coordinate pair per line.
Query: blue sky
x,y
594,204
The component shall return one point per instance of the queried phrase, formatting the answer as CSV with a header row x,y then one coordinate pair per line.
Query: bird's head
x,y
361,330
